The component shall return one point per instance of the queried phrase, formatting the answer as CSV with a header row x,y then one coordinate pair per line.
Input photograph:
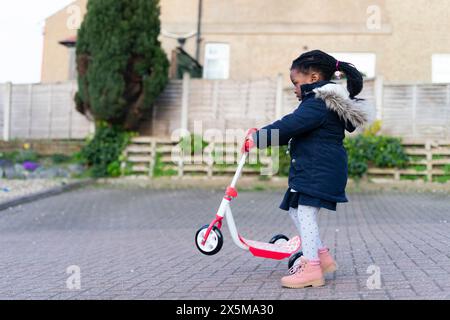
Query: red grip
x,y
231,192
248,143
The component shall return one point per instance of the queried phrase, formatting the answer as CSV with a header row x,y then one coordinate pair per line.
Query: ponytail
x,y
354,77
327,65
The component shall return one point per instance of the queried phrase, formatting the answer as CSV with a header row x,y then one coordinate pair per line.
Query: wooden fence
x,y
39,111
416,111
150,155
430,160
199,105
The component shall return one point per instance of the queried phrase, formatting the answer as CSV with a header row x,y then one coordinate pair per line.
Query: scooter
x,y
209,238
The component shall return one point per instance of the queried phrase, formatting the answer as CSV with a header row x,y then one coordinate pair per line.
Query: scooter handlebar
x,y
248,142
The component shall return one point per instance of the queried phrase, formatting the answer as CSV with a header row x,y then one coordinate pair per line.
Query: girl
x,y
318,173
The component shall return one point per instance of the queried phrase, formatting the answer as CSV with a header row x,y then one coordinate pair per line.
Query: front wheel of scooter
x,y
279,239
213,243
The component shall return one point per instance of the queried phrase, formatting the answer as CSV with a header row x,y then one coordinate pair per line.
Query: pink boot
x,y
309,273
326,261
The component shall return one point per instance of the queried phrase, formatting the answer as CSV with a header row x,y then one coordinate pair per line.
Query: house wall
x,y
410,31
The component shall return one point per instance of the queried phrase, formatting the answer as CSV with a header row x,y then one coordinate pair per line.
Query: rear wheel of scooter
x,y
213,243
295,259
279,239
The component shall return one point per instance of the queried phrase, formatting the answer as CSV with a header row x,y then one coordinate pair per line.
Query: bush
x,y
379,151
60,158
102,153
357,156
363,151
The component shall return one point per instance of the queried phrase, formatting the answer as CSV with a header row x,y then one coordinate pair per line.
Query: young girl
x,y
318,173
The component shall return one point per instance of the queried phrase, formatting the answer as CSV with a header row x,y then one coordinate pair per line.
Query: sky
x,y
21,27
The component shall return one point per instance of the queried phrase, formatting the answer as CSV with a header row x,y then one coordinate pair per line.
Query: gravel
x,y
11,189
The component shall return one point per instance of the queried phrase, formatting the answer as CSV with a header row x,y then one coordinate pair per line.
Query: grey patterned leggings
x,y
305,219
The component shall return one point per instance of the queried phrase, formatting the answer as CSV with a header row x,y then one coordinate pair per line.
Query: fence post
x,y
379,85
429,161
49,110
215,103
279,97
184,119
30,109
447,113
152,158
210,158
7,112
414,109
71,107
185,103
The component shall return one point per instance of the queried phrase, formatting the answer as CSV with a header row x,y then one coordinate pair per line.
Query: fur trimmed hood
x,y
337,99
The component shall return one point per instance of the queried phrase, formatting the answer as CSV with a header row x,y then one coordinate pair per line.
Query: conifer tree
x,y
121,66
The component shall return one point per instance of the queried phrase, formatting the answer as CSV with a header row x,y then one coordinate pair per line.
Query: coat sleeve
x,y
307,117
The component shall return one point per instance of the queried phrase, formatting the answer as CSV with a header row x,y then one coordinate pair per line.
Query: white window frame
x,y
359,59
220,52
440,68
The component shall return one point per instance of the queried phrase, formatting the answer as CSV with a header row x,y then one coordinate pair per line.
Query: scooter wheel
x,y
294,259
213,243
279,239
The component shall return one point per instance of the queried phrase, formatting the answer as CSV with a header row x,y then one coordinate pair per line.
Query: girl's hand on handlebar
x,y
249,143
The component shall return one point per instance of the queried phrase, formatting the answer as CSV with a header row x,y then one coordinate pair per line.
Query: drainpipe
x,y
199,27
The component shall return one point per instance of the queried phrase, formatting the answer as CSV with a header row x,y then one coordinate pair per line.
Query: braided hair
x,y
326,65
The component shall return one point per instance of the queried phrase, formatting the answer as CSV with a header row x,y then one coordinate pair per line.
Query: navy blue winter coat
x,y
316,130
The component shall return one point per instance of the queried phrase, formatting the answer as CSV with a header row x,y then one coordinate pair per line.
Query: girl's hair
x,y
326,65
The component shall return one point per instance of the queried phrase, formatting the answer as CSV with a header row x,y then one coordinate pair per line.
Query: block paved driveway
x,y
139,244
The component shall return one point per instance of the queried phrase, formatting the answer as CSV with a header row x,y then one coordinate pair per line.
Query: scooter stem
x,y
239,170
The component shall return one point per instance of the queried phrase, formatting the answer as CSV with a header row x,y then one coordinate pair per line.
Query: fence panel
x,y
44,111
166,116
417,111
47,110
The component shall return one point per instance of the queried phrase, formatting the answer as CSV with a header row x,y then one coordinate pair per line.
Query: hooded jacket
x,y
315,132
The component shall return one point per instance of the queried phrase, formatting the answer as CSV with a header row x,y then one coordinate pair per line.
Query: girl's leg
x,y
309,271
293,213
311,243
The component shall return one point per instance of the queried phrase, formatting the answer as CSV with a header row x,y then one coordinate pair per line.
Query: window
x,y
364,62
217,61
441,68
72,64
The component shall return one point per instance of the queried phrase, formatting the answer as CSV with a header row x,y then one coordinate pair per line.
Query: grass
x,y
414,177
416,158
419,168
160,169
441,179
